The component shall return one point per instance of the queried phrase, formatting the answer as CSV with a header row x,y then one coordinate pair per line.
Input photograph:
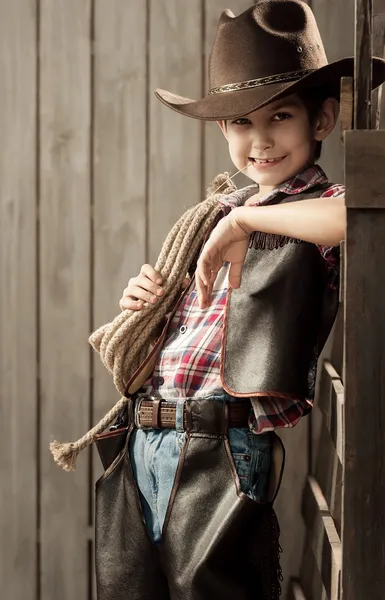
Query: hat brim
x,y
230,105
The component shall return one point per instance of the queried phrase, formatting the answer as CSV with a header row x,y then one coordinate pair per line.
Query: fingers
x,y
235,275
150,272
141,289
203,292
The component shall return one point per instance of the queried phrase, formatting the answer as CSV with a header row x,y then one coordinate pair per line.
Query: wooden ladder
x,y
344,497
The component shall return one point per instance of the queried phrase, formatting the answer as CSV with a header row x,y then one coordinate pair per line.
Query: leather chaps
x,y
217,543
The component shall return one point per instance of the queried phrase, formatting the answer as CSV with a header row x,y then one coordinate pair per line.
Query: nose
x,y
262,141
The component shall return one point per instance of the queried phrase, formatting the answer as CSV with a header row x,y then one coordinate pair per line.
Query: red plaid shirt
x,y
189,363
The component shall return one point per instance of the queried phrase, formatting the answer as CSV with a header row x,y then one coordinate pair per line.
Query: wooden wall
x,y
93,172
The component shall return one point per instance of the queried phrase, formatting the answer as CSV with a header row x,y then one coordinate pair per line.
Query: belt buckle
x,y
138,405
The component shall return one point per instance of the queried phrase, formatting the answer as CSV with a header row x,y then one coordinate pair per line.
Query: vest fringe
x,y
270,241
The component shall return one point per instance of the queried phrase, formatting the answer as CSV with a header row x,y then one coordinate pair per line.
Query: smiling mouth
x,y
263,161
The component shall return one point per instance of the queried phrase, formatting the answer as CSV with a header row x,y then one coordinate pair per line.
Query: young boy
x,y
194,518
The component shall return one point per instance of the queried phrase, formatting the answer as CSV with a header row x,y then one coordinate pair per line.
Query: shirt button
x,y
183,329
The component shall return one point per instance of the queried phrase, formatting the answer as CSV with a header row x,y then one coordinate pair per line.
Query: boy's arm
x,y
321,221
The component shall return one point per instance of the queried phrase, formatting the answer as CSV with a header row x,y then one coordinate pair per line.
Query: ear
x,y
327,118
223,128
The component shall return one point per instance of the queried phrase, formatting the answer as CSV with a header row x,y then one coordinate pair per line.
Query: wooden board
x,y
331,404
119,172
288,502
364,486
18,364
216,157
323,538
119,169
363,63
295,591
310,577
378,50
175,158
65,300
365,153
328,472
337,357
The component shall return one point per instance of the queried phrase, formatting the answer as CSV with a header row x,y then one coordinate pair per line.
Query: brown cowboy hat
x,y
269,51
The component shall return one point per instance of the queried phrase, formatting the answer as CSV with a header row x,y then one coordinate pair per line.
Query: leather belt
x,y
161,414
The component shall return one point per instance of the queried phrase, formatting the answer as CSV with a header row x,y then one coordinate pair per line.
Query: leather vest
x,y
276,323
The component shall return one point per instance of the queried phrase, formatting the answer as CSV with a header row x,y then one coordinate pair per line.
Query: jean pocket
x,y
260,476
242,464
251,456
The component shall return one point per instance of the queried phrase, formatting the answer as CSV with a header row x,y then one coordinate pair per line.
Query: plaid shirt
x,y
189,363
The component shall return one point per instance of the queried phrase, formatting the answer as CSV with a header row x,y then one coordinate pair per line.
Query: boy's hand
x,y
146,287
227,242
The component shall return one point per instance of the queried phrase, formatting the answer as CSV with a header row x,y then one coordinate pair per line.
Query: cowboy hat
x,y
271,50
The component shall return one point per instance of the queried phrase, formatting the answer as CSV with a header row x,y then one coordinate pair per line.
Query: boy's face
x,y
281,131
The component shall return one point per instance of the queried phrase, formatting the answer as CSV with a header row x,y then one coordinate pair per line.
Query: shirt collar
x,y
310,176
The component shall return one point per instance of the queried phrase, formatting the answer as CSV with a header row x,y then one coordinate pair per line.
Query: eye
x,y
242,121
282,116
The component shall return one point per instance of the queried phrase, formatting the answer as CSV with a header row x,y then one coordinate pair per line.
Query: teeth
x,y
270,160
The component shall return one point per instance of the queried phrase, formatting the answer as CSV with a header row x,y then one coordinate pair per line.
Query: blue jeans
x,y
155,453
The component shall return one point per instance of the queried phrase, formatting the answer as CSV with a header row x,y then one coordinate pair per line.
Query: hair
x,y
313,99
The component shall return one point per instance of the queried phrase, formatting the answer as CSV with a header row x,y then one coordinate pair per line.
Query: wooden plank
x,y
363,64
365,153
331,404
65,226
175,157
346,105
323,537
119,168
18,362
288,502
364,484
216,153
310,577
337,347
329,474
378,50
295,591
119,171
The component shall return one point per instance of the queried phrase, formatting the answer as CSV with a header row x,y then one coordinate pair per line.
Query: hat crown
x,y
270,38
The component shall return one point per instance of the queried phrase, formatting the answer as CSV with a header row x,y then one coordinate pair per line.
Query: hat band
x,y
252,83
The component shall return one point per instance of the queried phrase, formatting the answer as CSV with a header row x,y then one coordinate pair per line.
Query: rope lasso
x,y
124,343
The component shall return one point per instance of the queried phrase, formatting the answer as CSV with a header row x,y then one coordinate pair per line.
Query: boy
x,y
189,514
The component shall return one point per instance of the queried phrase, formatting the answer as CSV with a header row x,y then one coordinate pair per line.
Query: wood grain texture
x,y
216,153
175,164
331,404
346,105
323,537
18,288
378,50
328,473
65,300
288,502
295,591
310,577
364,167
364,485
119,169
363,64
